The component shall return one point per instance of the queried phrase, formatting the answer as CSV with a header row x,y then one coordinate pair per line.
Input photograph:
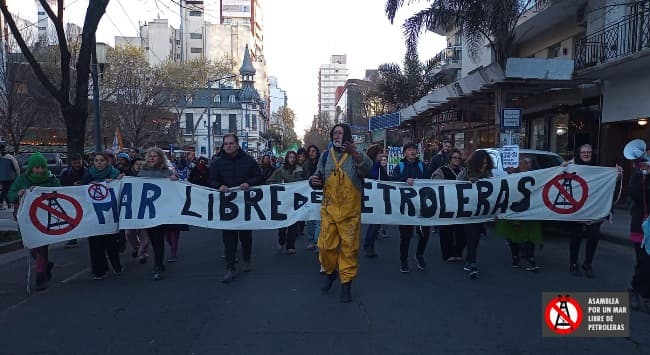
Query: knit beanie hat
x,y
36,159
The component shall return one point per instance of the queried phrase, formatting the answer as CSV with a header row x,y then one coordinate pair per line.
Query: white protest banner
x,y
575,193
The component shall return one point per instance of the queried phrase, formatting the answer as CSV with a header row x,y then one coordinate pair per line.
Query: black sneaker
x,y
98,277
404,267
467,265
419,262
72,243
589,272
575,270
532,266
515,262
157,273
41,281
229,276
473,271
370,252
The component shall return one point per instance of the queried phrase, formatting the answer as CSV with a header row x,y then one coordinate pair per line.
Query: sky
x,y
299,36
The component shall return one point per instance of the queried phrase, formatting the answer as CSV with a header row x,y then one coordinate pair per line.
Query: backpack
x,y
420,165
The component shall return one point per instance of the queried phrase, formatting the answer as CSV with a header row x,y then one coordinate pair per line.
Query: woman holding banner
x,y
36,174
479,166
452,237
289,172
103,245
157,166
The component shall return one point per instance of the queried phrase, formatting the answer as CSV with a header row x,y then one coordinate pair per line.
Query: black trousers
x,y
230,238
641,279
287,235
452,241
157,240
6,185
101,246
590,232
528,248
472,235
405,234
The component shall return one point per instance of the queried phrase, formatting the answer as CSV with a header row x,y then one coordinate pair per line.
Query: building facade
x,y
330,77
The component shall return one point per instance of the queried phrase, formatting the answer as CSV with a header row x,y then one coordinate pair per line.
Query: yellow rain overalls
x,y
340,213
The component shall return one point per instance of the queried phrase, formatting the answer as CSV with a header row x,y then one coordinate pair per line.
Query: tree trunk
x,y
500,95
75,127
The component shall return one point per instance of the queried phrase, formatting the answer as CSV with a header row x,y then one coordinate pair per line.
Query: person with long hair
x,y
157,166
378,172
200,173
639,288
479,166
310,166
102,246
290,172
521,235
36,174
452,237
138,238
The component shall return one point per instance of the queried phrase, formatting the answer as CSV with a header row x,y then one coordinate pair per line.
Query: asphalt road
x,y
278,308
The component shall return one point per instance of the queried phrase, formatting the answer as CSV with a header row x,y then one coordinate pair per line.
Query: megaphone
x,y
635,149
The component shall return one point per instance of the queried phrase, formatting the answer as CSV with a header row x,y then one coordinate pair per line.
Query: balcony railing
x,y
449,56
620,39
536,5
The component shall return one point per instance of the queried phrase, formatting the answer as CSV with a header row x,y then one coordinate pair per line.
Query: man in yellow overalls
x,y
340,172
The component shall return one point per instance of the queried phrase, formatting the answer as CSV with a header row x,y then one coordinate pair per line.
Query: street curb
x,y
13,245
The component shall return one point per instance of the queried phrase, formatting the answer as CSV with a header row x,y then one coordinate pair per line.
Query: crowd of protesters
x,y
233,168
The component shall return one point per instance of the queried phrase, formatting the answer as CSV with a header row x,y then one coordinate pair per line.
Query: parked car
x,y
54,161
539,159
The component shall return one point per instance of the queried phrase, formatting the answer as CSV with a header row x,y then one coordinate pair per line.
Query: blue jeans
x,y
313,230
371,236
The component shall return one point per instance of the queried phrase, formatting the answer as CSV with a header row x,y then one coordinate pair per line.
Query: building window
x,y
232,123
227,21
554,51
178,42
248,121
217,124
196,35
216,99
41,13
189,123
231,99
196,50
195,13
254,119
188,99
42,28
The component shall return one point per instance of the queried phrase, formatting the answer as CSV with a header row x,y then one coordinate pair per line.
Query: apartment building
x,y
330,77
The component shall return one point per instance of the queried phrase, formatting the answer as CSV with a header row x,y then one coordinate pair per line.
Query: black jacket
x,y
414,170
234,171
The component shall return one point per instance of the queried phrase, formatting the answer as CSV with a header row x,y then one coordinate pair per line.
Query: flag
x,y
117,141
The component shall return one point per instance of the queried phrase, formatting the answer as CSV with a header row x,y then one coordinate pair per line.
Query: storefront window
x,y
538,134
560,134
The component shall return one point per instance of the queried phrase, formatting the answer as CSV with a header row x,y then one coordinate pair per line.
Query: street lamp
x,y
98,57
211,100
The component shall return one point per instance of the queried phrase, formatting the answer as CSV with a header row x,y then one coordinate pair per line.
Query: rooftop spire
x,y
247,65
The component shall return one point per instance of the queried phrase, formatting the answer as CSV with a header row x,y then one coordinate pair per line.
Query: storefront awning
x,y
536,73
388,120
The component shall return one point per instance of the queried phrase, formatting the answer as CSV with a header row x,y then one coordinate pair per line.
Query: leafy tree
x,y
132,92
481,21
72,99
394,88
319,132
284,132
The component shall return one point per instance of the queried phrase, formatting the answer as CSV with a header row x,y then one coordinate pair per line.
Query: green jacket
x,y
23,183
282,175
